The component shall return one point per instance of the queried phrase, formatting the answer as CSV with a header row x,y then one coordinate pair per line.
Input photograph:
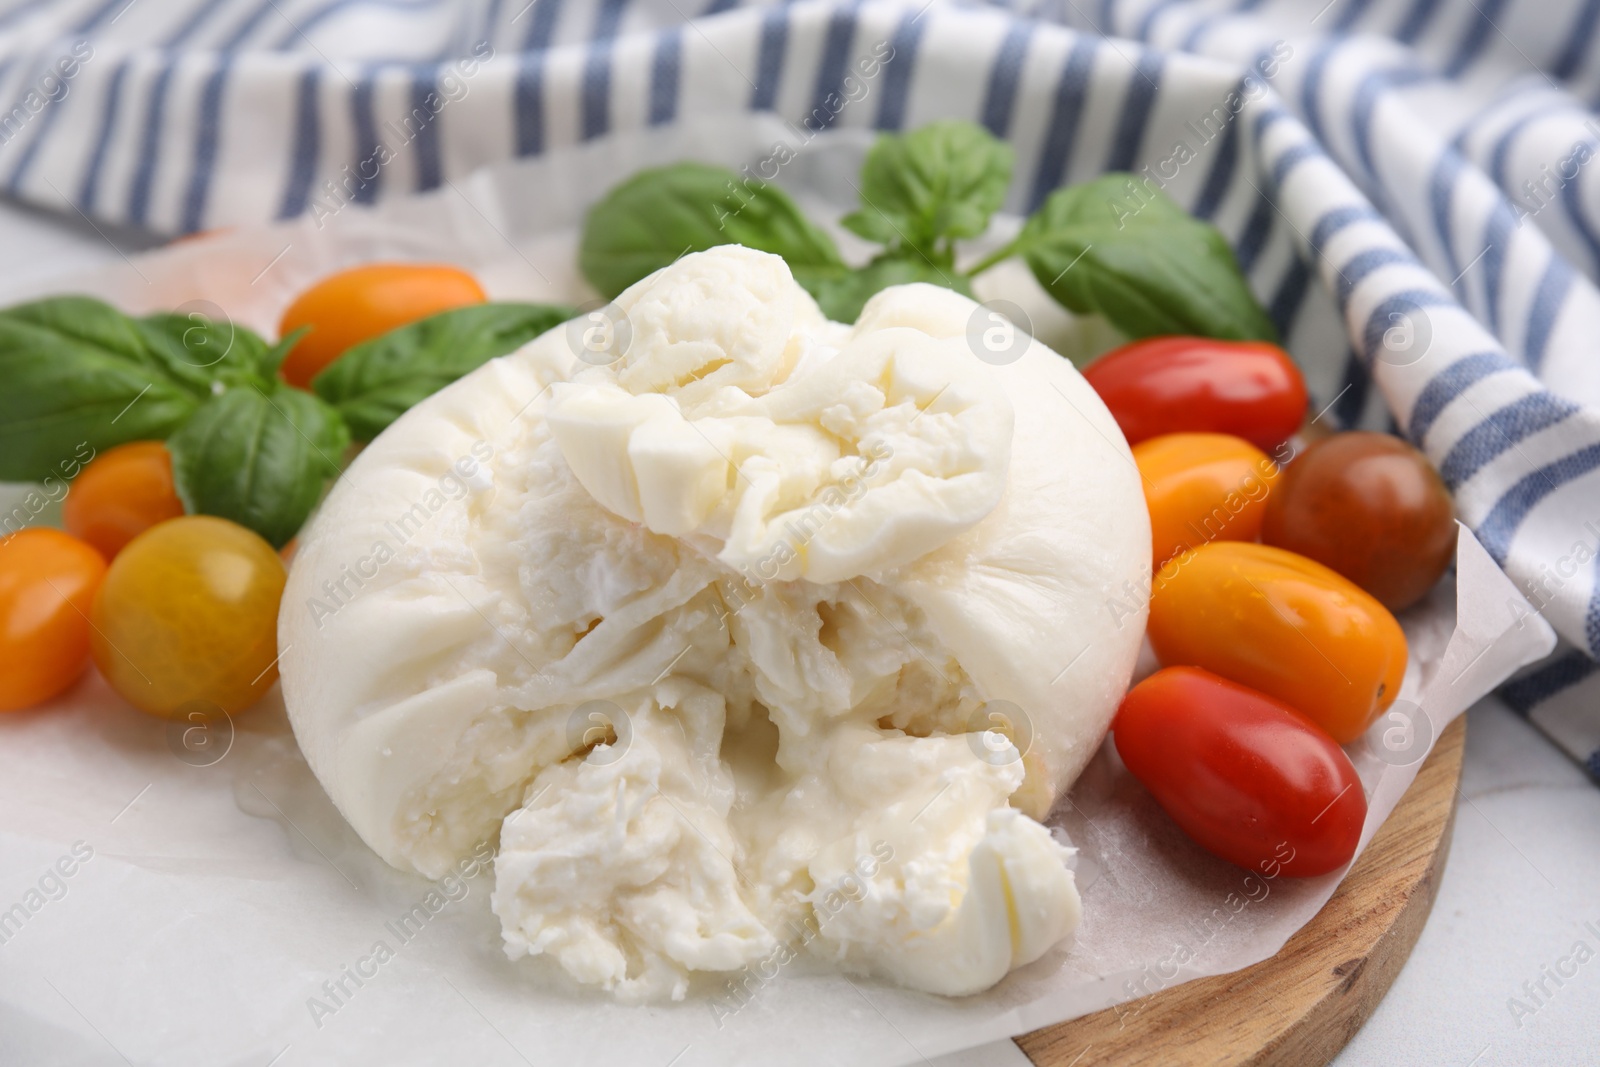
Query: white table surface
x,y
1522,879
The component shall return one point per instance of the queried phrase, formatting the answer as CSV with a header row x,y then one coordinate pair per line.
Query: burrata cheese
x,y
738,631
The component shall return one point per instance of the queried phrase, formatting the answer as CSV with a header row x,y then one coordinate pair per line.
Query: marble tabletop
x,y
1485,985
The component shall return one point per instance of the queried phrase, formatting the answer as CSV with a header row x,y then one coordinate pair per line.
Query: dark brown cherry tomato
x,y
1163,385
1369,506
1247,777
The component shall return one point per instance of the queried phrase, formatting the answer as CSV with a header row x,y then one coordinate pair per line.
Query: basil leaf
x,y
374,382
197,351
944,180
1146,265
259,457
76,371
843,297
273,357
658,215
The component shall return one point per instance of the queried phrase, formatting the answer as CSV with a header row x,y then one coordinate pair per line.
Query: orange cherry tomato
x,y
1371,507
356,305
47,585
1202,487
1283,624
122,493
186,622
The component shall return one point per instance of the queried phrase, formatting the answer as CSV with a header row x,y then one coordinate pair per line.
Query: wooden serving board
x,y
1303,1005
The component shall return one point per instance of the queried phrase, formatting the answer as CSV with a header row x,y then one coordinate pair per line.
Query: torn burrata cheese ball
x,y
745,635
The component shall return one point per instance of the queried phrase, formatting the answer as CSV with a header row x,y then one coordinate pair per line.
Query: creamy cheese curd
x,y
710,637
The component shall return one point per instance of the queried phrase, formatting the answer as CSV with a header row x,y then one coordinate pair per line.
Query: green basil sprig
x,y
75,370
258,454
659,215
922,190
843,297
1143,263
245,446
374,382
1152,271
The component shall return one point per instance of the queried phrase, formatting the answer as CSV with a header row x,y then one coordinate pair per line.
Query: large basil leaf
x,y
198,351
842,298
1143,263
74,370
374,382
258,456
942,181
658,215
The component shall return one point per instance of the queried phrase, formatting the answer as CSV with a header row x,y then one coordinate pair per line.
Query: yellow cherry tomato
x,y
122,493
1202,487
357,305
1280,623
47,585
186,622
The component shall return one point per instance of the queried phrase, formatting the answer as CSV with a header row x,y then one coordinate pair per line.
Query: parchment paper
x,y
225,914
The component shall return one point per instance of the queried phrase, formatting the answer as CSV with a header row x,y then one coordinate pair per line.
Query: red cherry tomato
x,y
1247,777
1163,385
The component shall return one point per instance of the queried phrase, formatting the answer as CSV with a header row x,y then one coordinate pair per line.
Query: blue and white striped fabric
x,y
1415,171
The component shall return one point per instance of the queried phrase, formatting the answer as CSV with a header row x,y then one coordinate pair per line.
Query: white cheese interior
x,y
707,637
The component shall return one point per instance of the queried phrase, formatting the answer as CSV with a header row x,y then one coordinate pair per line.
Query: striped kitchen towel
x,y
1417,172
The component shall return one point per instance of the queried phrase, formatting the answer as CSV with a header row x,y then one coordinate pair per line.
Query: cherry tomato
x,y
356,305
199,235
1372,508
122,493
1202,487
1282,624
47,585
1163,385
186,622
1247,777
